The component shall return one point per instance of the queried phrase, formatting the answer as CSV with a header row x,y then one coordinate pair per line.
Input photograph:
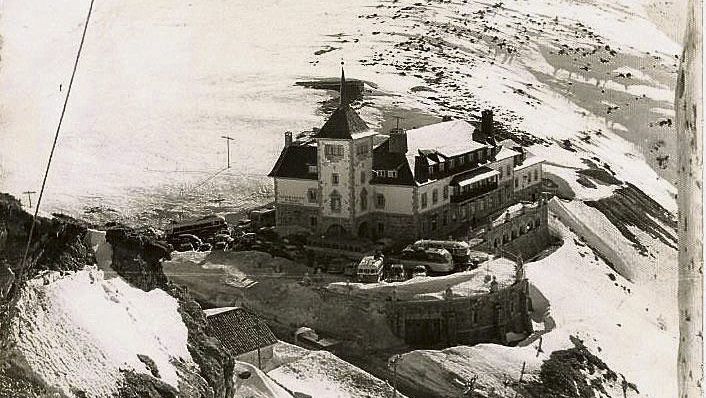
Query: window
x,y
364,199
452,164
312,169
517,182
424,200
445,219
312,195
333,151
362,150
446,192
391,173
464,213
362,177
434,196
381,228
536,175
441,166
508,170
334,178
433,222
431,170
335,202
380,201
313,221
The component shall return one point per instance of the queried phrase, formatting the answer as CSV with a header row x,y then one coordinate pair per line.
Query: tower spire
x,y
343,87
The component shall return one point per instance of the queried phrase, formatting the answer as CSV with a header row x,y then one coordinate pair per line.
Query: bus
x,y
433,259
201,227
353,249
370,269
460,251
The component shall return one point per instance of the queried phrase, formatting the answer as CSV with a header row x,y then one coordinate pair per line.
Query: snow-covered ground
x,y
160,82
77,332
322,374
632,326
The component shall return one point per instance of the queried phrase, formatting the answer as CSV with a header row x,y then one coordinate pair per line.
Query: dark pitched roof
x,y
240,331
383,159
294,162
342,123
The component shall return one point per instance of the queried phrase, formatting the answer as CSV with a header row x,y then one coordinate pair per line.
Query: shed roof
x,y
239,330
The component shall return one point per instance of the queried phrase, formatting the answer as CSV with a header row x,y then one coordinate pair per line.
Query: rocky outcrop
x,y
62,244
58,243
137,258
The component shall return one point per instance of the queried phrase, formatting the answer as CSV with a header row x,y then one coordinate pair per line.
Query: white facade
x,y
297,192
396,199
528,174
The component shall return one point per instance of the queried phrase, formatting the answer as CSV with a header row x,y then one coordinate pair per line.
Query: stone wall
x,y
525,234
484,318
288,215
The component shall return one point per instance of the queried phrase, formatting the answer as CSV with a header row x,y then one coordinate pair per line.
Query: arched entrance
x,y
336,230
364,230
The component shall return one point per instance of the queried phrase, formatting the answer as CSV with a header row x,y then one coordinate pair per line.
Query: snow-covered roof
x,y
450,138
506,152
530,161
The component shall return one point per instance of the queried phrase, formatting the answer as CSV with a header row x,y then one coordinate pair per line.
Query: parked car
x,y
336,266
419,270
396,273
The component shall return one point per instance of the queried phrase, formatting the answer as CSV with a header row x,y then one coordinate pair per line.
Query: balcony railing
x,y
473,193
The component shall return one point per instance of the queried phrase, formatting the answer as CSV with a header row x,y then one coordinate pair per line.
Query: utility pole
x,y
228,140
393,362
397,118
29,197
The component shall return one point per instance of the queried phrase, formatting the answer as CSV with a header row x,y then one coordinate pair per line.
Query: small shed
x,y
246,336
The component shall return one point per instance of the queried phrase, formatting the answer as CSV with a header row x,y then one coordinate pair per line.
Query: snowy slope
x,y
575,293
160,82
322,374
77,332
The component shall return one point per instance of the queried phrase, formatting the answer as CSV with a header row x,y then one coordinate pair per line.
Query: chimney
x,y
487,123
287,139
397,143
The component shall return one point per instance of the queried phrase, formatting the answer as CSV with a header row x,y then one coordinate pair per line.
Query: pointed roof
x,y
342,124
344,121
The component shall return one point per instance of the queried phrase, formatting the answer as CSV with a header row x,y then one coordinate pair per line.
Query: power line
x,y
53,147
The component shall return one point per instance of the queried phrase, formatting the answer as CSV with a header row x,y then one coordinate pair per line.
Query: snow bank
x,y
467,283
257,385
322,374
79,331
574,293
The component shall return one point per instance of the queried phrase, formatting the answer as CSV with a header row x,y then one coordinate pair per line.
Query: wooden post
x,y
522,372
689,123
